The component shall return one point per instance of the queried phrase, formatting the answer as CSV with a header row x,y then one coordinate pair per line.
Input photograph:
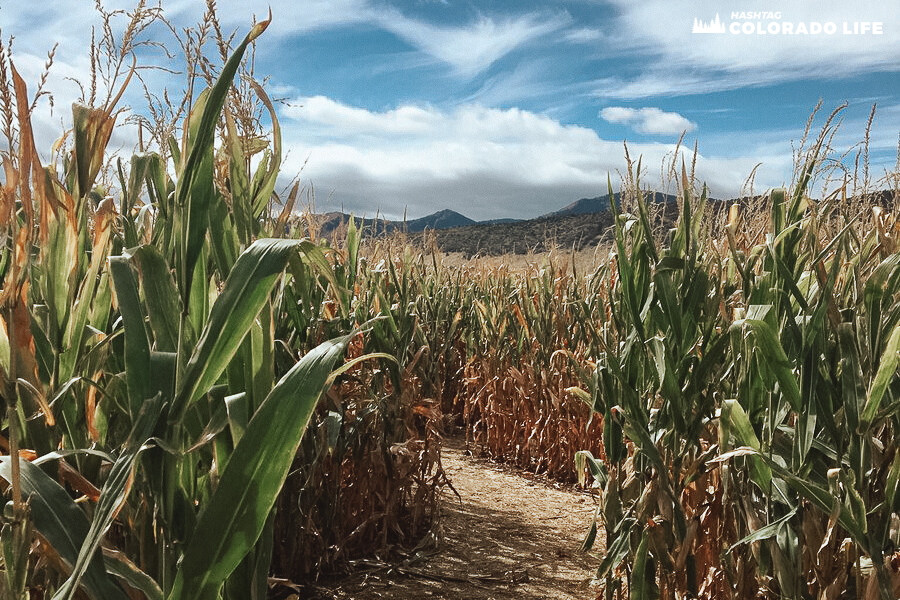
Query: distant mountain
x,y
587,206
532,235
335,223
442,219
582,224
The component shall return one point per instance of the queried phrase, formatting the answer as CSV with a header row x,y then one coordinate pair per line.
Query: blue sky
x,y
516,108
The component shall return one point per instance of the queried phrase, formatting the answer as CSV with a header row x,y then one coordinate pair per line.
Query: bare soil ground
x,y
508,535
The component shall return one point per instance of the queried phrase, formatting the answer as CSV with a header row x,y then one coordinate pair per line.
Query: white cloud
x,y
584,35
472,48
320,110
482,162
469,49
648,120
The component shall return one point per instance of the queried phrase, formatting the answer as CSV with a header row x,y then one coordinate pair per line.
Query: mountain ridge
x,y
583,223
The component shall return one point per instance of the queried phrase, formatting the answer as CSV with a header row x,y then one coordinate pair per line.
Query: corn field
x,y
202,397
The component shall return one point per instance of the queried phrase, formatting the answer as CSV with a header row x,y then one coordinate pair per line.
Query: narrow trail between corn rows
x,y
509,535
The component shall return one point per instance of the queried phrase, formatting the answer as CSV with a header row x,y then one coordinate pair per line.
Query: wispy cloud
x,y
528,80
648,120
584,35
472,48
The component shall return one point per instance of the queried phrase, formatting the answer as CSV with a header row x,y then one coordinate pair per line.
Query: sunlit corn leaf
x,y
771,351
235,516
194,191
161,297
245,292
764,533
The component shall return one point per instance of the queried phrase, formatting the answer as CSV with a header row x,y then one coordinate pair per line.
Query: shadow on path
x,y
509,535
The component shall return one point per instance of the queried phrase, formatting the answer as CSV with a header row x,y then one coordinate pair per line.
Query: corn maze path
x,y
508,535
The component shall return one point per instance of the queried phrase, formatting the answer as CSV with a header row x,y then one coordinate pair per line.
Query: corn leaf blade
x,y
236,514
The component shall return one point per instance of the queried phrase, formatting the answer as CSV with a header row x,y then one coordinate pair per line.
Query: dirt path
x,y
512,535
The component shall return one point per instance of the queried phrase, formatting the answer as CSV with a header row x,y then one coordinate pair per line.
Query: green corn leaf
x,y
113,494
160,295
245,292
102,306
854,501
250,580
87,292
203,292
195,205
639,434
644,216
590,537
354,239
624,263
59,277
140,170
118,564
788,278
195,192
267,172
239,182
236,410
137,346
769,348
235,516
618,548
764,533
643,577
59,521
314,256
734,421
613,442
821,497
224,242
217,424
16,536
599,473
886,372
804,434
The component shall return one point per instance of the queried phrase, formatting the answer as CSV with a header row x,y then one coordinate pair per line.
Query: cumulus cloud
x,y
483,162
324,111
648,120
